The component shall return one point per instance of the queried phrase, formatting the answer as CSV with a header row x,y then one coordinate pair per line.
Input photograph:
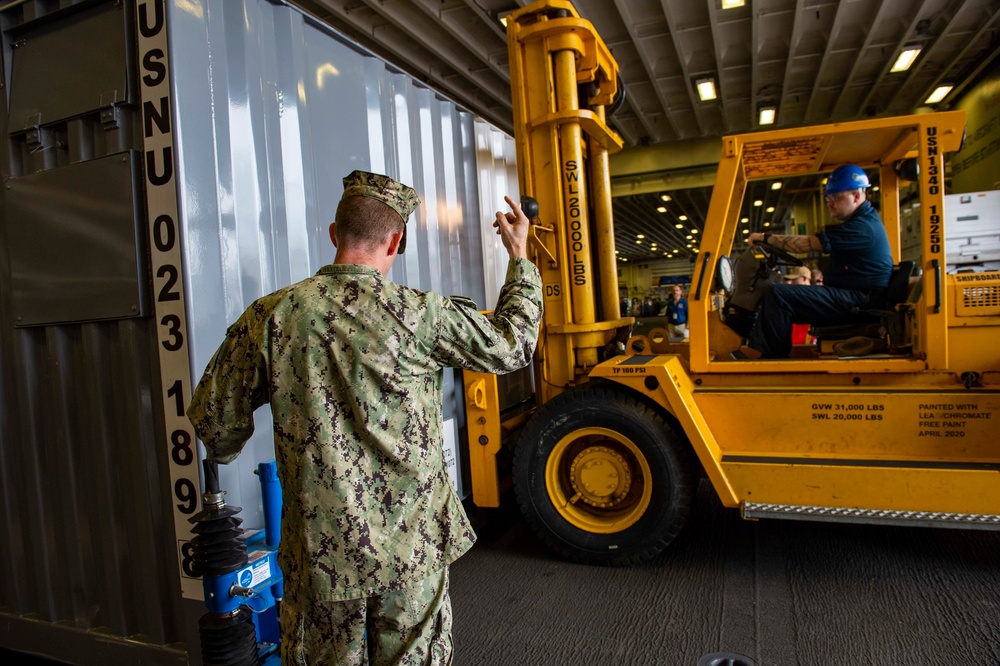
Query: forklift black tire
x,y
602,477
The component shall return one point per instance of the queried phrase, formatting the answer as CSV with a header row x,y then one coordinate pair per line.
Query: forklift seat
x,y
872,321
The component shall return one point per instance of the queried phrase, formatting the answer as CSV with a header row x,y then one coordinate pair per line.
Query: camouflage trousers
x,y
409,627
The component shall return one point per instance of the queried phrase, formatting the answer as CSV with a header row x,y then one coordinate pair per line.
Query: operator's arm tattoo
x,y
795,244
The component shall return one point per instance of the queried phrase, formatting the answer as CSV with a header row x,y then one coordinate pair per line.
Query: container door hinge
x,y
109,110
109,117
37,137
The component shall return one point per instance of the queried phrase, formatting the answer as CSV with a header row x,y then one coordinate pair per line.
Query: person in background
x,y
677,315
352,366
857,273
817,277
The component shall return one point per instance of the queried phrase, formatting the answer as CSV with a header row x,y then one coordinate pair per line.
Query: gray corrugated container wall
x,y
271,110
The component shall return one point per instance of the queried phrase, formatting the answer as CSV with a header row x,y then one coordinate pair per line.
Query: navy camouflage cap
x,y
401,198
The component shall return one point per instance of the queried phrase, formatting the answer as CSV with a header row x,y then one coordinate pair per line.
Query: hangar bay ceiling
x,y
808,61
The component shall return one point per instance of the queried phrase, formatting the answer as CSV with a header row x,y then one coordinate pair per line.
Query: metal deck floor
x,y
783,593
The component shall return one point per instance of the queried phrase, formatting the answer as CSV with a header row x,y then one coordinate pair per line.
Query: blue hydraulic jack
x,y
239,570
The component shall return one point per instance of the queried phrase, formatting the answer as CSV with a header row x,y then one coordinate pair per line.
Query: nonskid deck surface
x,y
779,592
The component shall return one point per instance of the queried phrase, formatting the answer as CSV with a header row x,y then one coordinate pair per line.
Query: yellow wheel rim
x,y
598,480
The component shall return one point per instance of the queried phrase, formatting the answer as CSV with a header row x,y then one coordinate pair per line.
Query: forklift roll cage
x,y
897,437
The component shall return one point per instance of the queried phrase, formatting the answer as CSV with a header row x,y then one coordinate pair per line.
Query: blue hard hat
x,y
846,177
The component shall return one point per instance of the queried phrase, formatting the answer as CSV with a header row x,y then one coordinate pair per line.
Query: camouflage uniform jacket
x,y
352,366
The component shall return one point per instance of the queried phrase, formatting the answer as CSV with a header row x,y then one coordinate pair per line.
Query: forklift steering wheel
x,y
775,256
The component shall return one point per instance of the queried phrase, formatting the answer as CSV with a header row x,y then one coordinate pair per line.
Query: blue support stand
x,y
257,585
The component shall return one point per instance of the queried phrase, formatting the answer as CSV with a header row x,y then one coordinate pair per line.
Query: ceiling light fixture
x,y
640,235
732,4
776,185
706,89
939,94
665,197
769,209
678,226
905,59
661,209
682,218
758,202
767,115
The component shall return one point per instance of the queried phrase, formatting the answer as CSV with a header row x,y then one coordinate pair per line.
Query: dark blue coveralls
x,y
677,313
856,276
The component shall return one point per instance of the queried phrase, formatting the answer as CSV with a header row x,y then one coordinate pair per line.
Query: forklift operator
x,y
856,275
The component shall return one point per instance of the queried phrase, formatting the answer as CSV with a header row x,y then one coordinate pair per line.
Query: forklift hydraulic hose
x,y
619,99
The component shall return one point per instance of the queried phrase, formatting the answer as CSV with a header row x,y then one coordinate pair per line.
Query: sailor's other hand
x,y
512,228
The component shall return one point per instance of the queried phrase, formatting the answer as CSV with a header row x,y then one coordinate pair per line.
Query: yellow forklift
x,y
606,463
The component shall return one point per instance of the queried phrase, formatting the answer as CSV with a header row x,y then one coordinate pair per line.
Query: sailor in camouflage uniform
x,y
351,364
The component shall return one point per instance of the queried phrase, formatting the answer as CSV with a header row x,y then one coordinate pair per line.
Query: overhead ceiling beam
x,y
903,97
666,181
646,58
432,8
754,48
487,18
412,56
859,57
665,167
781,116
972,74
637,217
839,18
915,18
947,70
666,157
682,59
625,232
722,90
412,24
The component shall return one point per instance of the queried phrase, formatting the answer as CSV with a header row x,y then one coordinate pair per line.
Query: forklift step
x,y
756,510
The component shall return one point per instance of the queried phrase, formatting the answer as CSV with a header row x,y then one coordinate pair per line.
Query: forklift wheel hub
x,y
601,476
598,480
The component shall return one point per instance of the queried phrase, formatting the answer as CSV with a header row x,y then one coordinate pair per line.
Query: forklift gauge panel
x,y
724,272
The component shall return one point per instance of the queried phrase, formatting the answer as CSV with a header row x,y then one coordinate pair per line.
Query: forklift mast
x,y
563,82
562,79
